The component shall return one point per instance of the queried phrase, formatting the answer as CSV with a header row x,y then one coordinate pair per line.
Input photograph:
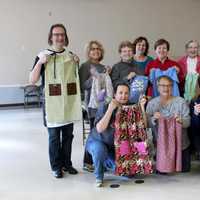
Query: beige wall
x,y
25,24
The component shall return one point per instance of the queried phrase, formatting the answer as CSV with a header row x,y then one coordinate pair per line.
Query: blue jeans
x,y
60,146
102,157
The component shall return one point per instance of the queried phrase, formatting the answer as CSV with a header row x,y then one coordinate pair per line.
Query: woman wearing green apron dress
x,y
62,102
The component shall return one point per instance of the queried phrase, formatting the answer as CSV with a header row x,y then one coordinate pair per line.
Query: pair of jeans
x,y
60,146
102,156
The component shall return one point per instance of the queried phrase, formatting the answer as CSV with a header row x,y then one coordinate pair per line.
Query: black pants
x,y
186,160
60,146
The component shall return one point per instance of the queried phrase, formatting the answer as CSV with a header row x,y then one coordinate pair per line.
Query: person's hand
x,y
177,69
131,75
108,69
157,115
178,118
151,70
197,108
113,105
142,101
43,59
76,58
94,73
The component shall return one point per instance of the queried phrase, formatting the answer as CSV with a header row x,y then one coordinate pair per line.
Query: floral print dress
x,y
130,139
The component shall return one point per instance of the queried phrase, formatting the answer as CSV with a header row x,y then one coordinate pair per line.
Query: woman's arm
x,y
142,103
105,120
35,73
152,113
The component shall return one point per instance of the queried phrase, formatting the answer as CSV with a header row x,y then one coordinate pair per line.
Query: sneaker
x,y
99,183
88,168
70,170
57,174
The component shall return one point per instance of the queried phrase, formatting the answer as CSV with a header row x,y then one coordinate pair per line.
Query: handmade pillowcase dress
x,y
130,139
62,89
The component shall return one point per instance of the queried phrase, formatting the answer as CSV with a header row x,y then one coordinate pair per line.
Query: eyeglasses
x,y
59,34
196,48
166,86
93,49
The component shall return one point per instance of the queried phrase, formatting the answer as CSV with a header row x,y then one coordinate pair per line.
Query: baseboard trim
x,y
18,104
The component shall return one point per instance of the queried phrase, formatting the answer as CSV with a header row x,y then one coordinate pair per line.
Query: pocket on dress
x,y
71,89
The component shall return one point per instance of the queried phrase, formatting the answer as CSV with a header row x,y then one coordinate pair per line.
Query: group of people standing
x,y
122,102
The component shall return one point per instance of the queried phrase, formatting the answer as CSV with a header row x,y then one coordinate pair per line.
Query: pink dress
x,y
169,145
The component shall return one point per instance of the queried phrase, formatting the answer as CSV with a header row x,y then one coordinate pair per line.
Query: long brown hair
x,y
51,33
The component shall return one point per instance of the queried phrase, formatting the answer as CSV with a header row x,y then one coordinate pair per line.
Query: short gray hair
x,y
191,41
164,77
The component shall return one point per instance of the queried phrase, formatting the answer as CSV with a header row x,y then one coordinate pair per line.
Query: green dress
x,y
62,89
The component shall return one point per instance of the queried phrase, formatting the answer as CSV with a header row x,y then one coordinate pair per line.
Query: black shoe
x,y
70,170
57,174
161,173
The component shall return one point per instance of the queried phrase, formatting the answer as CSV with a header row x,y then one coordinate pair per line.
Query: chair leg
x,y
25,102
83,132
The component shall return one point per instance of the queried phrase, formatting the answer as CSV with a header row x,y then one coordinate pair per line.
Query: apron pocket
x,y
54,89
71,89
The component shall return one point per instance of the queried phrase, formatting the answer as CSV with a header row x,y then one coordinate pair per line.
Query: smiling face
x,y
161,51
192,49
95,52
126,54
165,87
58,38
140,47
122,94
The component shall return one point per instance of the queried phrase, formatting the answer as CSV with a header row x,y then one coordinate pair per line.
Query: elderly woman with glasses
x,y
190,66
125,69
89,69
88,72
169,118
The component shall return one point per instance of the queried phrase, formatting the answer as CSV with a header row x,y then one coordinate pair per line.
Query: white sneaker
x,y
99,183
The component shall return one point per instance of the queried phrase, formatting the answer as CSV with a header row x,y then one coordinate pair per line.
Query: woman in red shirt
x,y
162,62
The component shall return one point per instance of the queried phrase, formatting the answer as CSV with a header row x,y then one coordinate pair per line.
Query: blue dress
x,y
138,86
